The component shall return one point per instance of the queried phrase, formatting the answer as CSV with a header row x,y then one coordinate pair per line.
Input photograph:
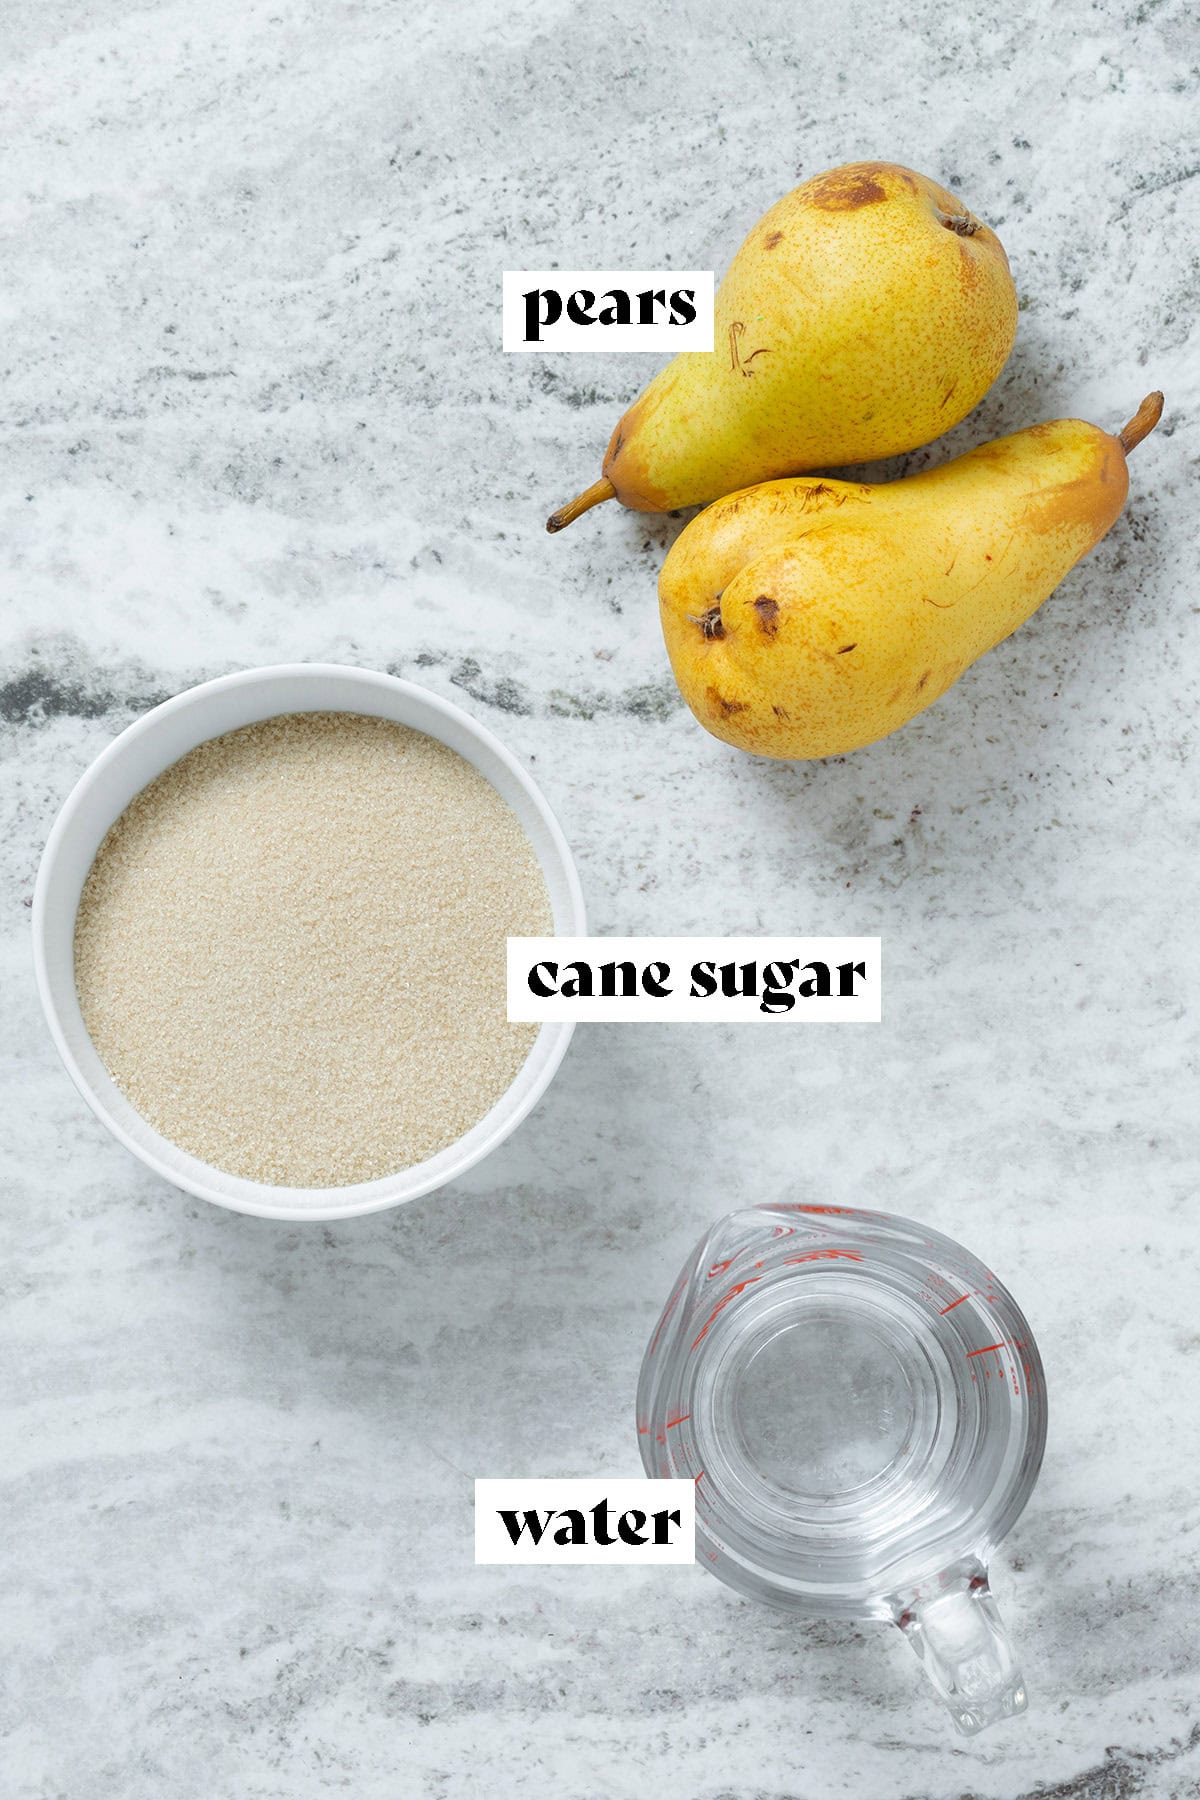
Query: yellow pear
x,y
865,314
805,618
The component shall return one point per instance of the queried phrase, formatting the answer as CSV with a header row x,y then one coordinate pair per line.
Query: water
x,y
858,1399
822,1409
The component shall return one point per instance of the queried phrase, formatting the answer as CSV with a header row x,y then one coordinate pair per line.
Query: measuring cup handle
x,y
959,1638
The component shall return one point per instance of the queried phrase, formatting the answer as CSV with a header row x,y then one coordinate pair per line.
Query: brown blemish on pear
x,y
725,708
768,615
844,190
820,495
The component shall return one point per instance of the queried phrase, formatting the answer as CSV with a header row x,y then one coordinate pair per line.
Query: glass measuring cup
x,y
862,1408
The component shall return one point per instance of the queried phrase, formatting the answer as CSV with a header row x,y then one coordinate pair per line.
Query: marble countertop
x,y
253,409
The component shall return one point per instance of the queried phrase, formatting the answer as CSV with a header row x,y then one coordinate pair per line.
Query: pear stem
x,y
566,515
1142,423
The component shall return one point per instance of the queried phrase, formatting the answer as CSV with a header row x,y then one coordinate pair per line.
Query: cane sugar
x,y
290,949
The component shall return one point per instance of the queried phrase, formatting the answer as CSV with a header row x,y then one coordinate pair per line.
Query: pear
x,y
806,618
865,314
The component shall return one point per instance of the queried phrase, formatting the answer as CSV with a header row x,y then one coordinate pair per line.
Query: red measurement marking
x,y
822,1256
642,1430
955,1303
842,1211
983,1350
678,1419
730,1294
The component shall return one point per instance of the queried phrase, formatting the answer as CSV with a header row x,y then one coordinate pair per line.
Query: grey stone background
x,y
253,408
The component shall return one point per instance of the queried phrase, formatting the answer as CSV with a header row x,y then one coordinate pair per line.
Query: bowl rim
x,y
362,1197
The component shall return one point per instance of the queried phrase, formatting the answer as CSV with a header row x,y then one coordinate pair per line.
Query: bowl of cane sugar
x,y
269,938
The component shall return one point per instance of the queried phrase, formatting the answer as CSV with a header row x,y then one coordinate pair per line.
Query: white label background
x,y
681,1008
625,1494
662,336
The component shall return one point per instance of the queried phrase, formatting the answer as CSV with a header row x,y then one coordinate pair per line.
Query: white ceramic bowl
x,y
151,745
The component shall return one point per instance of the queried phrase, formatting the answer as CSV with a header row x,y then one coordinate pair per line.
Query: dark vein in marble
x,y
61,682
38,693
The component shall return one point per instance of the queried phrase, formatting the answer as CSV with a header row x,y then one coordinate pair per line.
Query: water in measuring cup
x,y
857,1400
823,1406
